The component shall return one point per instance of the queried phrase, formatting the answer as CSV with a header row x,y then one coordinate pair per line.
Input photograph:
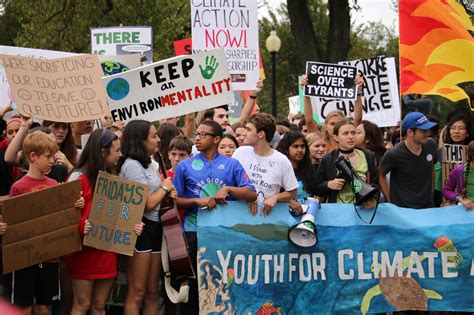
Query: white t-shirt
x,y
268,173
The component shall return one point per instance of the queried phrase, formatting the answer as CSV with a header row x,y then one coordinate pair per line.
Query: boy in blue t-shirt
x,y
204,181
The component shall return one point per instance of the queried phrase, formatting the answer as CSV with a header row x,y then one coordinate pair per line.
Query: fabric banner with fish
x,y
406,259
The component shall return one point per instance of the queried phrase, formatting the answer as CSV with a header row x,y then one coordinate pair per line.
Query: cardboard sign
x,y
117,205
453,154
232,25
330,80
170,88
6,94
66,90
123,40
42,226
380,101
183,46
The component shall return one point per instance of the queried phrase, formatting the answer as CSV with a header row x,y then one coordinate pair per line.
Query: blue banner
x,y
406,259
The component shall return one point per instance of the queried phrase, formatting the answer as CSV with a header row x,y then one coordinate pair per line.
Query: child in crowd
x,y
37,284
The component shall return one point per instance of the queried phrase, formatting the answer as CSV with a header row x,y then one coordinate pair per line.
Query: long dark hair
x,y
374,140
304,169
467,167
133,143
452,121
68,146
91,157
166,132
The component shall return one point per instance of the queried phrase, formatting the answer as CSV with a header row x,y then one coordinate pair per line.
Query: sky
x,y
371,10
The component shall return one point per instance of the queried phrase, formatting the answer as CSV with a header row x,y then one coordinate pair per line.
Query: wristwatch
x,y
166,189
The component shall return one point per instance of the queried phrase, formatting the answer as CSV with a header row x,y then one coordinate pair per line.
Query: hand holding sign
x,y
210,69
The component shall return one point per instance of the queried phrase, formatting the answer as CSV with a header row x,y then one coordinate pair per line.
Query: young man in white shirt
x,y
271,172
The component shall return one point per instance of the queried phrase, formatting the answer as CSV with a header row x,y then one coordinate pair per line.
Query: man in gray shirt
x,y
411,165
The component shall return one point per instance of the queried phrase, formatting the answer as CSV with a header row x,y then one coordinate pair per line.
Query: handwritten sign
x,y
123,40
294,104
66,89
232,25
453,154
117,205
380,101
6,94
41,226
183,46
170,88
330,80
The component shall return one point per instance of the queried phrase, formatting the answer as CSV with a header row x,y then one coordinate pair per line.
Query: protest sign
x,y
6,94
453,154
117,64
420,260
117,205
42,225
170,88
330,80
232,25
66,89
235,108
123,40
183,46
381,104
294,104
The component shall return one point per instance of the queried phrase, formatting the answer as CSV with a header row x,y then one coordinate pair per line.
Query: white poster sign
x,y
123,40
381,104
294,103
232,25
170,88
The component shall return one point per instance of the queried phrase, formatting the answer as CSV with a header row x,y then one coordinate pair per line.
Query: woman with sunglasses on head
x,y
93,270
139,143
335,188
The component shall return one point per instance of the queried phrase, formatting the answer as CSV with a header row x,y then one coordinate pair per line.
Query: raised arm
x,y
308,109
247,110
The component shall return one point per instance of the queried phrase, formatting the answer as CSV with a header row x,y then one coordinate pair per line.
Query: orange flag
x,y
436,48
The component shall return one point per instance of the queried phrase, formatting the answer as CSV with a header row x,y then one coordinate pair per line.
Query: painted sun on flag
x,y
436,48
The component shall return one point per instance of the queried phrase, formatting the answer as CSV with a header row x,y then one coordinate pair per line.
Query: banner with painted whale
x,y
406,259
170,88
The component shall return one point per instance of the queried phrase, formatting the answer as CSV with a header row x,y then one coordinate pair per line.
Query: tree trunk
x,y
302,28
338,38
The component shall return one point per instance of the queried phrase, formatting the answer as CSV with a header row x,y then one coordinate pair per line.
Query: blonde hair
x,y
314,136
39,143
334,113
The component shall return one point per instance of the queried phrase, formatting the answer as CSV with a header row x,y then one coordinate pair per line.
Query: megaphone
x,y
305,233
362,190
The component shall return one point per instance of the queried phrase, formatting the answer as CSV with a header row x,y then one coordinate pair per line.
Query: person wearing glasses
x,y
202,182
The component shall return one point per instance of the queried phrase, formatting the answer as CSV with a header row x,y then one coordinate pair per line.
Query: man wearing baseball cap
x,y
411,165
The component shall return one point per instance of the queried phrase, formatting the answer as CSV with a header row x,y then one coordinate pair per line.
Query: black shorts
x,y
38,284
150,240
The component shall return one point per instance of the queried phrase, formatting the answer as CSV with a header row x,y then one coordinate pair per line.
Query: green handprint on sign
x,y
210,69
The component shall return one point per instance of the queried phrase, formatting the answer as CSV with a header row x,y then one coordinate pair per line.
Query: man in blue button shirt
x,y
203,181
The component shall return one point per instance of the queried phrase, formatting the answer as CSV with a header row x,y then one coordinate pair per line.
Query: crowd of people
x,y
208,161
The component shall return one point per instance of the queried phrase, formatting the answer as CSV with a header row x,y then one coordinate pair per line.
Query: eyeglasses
x,y
454,128
203,134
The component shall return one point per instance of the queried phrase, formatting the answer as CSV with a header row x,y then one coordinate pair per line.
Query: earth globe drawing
x,y
118,88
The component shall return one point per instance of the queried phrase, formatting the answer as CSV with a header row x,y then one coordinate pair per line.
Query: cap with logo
x,y
416,120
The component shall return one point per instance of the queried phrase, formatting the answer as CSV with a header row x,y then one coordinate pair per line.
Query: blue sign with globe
x,y
118,89
113,67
